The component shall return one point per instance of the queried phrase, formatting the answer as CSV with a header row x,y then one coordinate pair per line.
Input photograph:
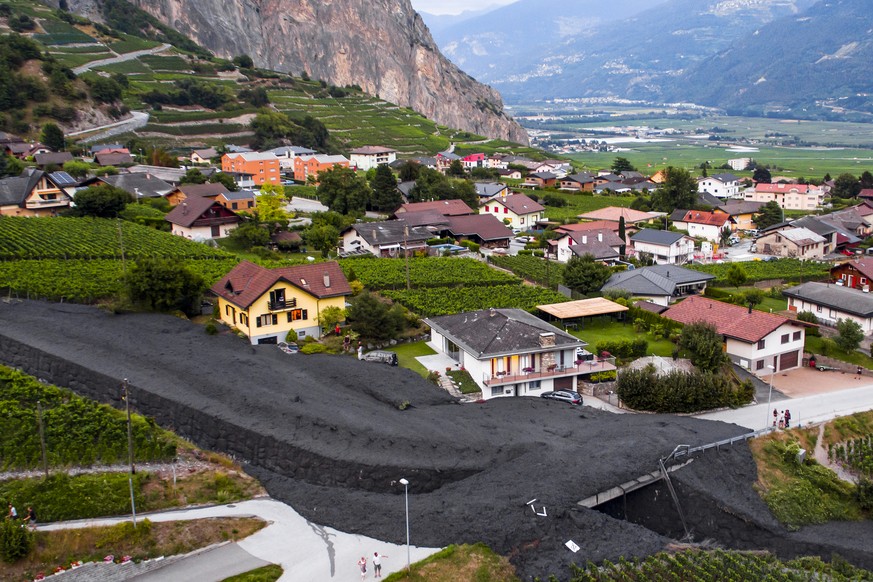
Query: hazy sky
x,y
455,6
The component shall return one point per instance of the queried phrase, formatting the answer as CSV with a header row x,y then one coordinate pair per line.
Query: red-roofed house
x,y
787,196
517,211
473,161
444,207
202,218
702,224
266,303
753,339
855,274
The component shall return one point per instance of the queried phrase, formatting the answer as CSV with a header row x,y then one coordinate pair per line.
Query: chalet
x,y
483,229
540,180
664,246
509,352
857,274
796,242
185,191
22,150
52,159
720,185
616,213
203,157
239,201
202,218
265,304
831,303
367,157
517,211
33,193
753,339
706,225
602,244
661,284
114,157
139,186
510,174
583,182
741,212
392,238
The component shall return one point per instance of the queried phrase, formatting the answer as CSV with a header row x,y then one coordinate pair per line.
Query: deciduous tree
x,y
270,206
705,346
736,275
679,190
846,186
849,334
165,285
375,319
770,214
103,201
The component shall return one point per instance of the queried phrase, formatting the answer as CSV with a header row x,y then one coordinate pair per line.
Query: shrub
x,y
434,377
291,336
211,329
680,392
626,349
313,348
607,376
16,540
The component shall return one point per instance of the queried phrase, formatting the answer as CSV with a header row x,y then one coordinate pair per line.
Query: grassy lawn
x,y
602,328
476,563
148,540
769,304
464,381
266,574
814,346
406,354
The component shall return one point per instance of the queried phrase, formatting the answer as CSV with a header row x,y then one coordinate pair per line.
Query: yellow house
x,y
266,303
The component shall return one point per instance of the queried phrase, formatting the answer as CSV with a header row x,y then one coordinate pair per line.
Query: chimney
x,y
184,208
491,312
547,339
327,280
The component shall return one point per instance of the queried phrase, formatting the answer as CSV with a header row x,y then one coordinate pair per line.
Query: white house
x,y
720,185
665,247
368,157
754,340
700,224
201,218
509,352
392,238
602,244
517,210
831,303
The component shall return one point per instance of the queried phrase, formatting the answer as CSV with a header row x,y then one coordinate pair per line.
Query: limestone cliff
x,y
381,45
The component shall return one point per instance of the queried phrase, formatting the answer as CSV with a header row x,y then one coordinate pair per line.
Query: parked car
x,y
289,348
381,357
563,395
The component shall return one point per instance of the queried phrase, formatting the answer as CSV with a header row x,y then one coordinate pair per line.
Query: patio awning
x,y
582,308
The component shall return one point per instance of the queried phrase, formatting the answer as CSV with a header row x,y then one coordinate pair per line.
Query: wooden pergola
x,y
573,310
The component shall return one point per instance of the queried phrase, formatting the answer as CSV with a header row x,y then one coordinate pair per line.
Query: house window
x,y
535,385
761,344
786,338
233,205
268,319
796,336
250,203
297,314
759,365
832,313
506,211
497,391
244,319
863,280
818,308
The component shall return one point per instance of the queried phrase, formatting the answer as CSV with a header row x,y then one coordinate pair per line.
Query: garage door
x,y
565,383
789,360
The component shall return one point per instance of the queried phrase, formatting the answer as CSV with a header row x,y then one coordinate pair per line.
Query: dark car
x,y
381,357
563,395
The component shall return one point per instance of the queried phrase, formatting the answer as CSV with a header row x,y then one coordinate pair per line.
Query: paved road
x,y
136,120
299,204
305,551
120,58
804,410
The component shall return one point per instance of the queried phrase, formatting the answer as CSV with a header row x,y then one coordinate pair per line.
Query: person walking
x,y
775,416
12,514
362,564
377,564
860,372
787,418
30,517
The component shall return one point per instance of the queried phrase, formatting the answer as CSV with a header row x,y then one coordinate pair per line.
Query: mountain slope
x,y
381,45
824,54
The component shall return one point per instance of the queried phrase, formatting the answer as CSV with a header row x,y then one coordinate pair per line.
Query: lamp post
x,y
770,395
405,484
125,387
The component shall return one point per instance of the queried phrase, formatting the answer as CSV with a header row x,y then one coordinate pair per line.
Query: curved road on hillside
x,y
120,58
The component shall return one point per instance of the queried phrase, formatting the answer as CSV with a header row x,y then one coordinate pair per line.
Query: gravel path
x,y
120,58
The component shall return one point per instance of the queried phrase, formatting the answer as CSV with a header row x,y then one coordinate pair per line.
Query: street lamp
x,y
770,395
405,484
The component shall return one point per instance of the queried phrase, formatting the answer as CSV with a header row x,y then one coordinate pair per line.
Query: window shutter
x,y
275,319
305,314
259,321
289,317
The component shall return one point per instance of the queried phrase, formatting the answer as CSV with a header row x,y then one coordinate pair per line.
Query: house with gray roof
x,y
488,190
661,284
391,238
483,229
665,247
137,185
832,302
509,352
601,243
33,193
797,242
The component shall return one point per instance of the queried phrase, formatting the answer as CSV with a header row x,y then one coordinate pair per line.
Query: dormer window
x,y
303,282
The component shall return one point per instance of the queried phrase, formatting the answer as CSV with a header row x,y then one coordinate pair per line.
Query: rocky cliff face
x,y
381,45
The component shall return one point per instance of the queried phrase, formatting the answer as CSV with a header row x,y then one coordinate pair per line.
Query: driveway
x,y
810,382
306,551
299,204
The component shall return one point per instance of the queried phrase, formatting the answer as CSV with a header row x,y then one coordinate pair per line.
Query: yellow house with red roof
x,y
265,304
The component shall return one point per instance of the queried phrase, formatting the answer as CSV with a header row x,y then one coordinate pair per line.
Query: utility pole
x,y
125,387
42,439
406,253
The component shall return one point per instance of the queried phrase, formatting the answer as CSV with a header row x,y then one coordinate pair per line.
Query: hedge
x,y
626,349
681,392
670,326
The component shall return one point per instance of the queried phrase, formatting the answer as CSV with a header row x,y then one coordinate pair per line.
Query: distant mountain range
x,y
748,55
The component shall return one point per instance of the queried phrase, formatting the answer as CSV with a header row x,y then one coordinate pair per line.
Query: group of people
x,y
29,517
782,419
377,565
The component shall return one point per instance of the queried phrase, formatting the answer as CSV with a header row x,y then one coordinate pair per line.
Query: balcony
x,y
41,203
530,374
282,305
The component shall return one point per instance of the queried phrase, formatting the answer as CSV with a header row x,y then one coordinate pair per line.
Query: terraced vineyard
x,y
547,273
92,238
719,565
380,274
446,300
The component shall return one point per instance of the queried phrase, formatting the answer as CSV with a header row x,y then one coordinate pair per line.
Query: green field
x,y
406,354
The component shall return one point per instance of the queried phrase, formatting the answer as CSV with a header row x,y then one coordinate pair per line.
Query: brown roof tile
x,y
247,282
733,321
520,204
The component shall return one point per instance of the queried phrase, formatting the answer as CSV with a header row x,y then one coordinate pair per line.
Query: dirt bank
x,y
327,435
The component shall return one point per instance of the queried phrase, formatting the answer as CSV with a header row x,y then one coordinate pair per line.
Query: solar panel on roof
x,y
63,179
